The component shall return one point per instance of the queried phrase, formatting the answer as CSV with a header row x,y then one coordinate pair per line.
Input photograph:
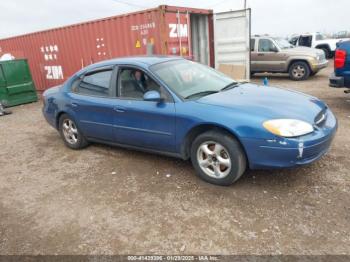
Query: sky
x,y
274,17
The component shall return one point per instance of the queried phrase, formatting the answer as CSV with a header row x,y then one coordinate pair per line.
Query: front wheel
x,y
299,71
218,158
70,133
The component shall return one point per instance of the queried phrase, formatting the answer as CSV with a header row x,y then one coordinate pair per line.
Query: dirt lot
x,y
105,200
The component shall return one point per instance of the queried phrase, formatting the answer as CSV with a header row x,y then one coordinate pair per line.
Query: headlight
x,y
318,58
288,127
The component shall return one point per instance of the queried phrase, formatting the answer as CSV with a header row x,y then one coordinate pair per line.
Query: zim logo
x,y
178,30
54,72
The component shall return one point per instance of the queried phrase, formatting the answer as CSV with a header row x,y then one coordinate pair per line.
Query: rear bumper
x,y
336,81
290,152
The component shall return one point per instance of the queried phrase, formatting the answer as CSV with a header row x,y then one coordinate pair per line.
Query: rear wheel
x,y
299,71
218,158
70,133
327,52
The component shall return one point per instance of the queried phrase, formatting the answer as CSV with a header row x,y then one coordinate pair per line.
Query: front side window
x,y
133,83
266,45
190,79
96,83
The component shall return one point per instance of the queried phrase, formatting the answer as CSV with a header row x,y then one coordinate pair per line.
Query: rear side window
x,y
252,45
95,84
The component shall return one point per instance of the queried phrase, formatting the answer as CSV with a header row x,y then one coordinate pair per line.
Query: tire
x,y
327,52
299,71
230,163
70,133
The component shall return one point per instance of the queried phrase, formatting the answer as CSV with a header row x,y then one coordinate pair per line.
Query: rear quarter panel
x,y
345,71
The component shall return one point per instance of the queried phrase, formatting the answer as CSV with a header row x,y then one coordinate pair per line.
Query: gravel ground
x,y
106,200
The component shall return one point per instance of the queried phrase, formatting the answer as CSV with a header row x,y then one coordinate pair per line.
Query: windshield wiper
x,y
203,93
230,86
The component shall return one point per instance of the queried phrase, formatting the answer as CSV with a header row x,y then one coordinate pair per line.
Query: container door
x,y
232,43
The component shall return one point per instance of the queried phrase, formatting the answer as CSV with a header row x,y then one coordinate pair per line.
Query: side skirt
x,y
142,149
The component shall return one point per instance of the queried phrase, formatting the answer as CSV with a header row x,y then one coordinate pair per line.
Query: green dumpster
x,y
16,84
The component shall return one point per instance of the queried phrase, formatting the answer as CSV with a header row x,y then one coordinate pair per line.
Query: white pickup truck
x,y
317,40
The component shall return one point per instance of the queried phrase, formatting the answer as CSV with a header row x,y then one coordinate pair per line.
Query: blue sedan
x,y
180,108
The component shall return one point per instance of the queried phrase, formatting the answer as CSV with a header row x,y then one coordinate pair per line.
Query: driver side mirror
x,y
153,96
274,49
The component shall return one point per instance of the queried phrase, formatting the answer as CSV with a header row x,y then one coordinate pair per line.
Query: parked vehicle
x,y
276,55
320,41
341,76
181,108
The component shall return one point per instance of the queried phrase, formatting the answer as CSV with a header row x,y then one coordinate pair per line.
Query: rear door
x,y
92,101
232,43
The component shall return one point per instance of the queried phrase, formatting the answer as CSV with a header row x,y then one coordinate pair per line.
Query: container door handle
x,y
119,109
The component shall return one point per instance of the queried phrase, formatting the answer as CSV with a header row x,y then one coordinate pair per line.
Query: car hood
x,y
302,50
267,102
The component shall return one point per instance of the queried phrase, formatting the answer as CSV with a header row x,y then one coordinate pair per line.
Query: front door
x,y
268,57
142,123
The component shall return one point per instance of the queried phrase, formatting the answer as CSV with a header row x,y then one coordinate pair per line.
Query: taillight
x,y
339,58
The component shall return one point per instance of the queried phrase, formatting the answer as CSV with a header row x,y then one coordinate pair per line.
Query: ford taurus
x,y
180,108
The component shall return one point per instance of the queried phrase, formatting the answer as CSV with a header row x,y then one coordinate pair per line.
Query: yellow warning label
x,y
138,44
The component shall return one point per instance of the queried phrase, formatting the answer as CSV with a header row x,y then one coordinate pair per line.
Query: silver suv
x,y
277,55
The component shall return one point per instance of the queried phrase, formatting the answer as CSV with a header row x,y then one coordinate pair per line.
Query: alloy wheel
x,y
214,159
298,71
70,131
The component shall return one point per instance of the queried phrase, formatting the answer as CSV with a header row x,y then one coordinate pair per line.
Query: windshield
x,y
187,78
320,37
283,43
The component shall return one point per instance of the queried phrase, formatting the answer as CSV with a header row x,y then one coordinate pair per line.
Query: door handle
x,y
260,54
119,109
74,104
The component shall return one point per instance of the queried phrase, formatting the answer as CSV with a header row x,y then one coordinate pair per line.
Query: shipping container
x,y
56,54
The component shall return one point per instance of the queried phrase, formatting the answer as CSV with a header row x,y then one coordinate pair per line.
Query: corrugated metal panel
x,y
56,54
232,41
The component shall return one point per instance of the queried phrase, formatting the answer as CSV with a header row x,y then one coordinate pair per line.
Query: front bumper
x,y
290,152
336,81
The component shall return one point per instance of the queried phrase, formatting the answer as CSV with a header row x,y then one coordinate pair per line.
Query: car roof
x,y
142,61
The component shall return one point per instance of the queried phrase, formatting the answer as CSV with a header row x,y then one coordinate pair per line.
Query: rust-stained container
x,y
56,54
